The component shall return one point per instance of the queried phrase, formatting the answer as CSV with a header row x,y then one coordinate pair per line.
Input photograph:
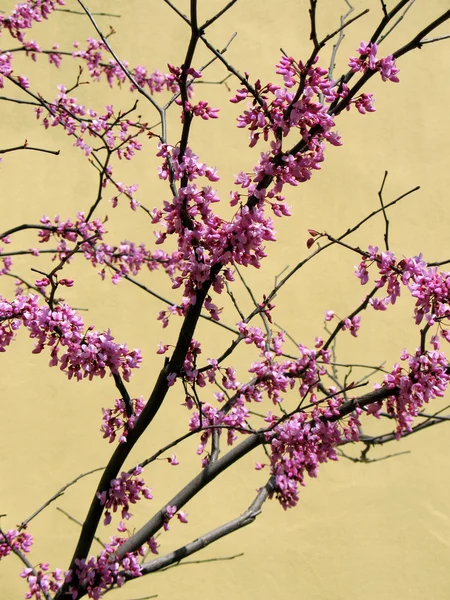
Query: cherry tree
x,y
293,405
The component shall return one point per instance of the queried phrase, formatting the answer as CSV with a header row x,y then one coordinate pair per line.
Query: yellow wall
x,y
380,530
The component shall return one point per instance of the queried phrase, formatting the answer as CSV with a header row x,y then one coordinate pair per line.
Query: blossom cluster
x,y
427,285
210,418
205,241
119,260
298,446
126,258
427,376
276,110
6,261
26,14
40,583
122,259
78,351
367,61
126,489
66,230
14,540
98,66
299,442
118,135
170,512
117,419
96,575
271,378
274,113
189,216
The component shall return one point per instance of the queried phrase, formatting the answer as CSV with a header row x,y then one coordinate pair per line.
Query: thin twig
x,y
384,8
17,101
363,458
436,39
209,22
416,42
169,446
399,20
234,301
178,12
25,146
94,14
65,513
125,71
339,40
59,493
386,220
205,560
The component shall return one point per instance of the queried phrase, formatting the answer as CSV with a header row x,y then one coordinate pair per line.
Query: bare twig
x,y
178,12
436,39
339,40
234,301
18,101
384,8
204,561
28,285
397,22
66,514
243,80
169,446
59,493
364,459
94,14
312,17
387,18
386,220
209,22
25,146
416,42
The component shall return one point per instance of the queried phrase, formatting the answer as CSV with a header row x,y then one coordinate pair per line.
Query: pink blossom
x,y
117,419
41,583
352,325
173,460
12,539
425,378
123,491
368,61
78,352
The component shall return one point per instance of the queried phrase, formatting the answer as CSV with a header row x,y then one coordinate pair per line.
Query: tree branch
x,y
206,539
